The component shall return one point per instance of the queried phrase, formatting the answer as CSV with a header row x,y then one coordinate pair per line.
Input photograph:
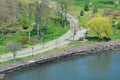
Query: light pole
x,y
74,32
43,42
32,51
56,42
52,35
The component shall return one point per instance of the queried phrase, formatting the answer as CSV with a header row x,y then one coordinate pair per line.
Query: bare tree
x,y
14,47
40,10
64,5
8,15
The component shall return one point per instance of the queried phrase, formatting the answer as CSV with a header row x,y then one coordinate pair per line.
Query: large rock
x,y
2,76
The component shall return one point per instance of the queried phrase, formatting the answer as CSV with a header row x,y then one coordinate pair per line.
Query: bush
x,y
108,12
23,41
118,25
116,13
81,39
81,13
32,40
9,44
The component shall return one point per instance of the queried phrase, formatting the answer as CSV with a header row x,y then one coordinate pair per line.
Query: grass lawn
x,y
54,30
51,51
101,6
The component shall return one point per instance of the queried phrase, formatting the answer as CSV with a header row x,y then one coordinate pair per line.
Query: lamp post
x,y
52,35
43,42
74,32
56,42
32,52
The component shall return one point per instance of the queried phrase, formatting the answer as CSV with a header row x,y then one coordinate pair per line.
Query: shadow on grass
x,y
106,2
97,39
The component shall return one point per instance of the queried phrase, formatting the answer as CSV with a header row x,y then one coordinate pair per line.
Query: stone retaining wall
x,y
57,55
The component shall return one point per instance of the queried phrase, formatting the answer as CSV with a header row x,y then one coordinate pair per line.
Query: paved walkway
x,y
63,40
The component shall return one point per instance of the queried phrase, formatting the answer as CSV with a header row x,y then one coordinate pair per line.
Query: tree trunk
x,y
38,18
65,15
61,15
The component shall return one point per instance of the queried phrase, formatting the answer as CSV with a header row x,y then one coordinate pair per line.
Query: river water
x,y
102,66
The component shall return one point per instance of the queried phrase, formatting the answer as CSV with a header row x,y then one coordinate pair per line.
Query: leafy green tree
x,y
99,27
116,3
118,25
24,22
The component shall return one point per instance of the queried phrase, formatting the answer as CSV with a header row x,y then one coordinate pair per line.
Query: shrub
x,y
81,39
81,13
116,13
23,41
32,40
107,12
9,44
118,25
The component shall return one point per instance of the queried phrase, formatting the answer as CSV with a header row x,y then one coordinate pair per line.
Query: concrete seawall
x,y
57,55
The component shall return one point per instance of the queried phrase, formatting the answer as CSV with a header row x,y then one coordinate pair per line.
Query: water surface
x,y
102,66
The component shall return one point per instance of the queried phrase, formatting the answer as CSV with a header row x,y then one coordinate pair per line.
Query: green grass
x,y
108,4
51,51
54,30
48,37
116,35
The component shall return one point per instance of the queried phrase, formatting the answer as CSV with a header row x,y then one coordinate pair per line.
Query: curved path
x,y
63,40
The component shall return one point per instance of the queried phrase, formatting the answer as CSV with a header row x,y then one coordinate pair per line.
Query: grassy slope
x,y
79,5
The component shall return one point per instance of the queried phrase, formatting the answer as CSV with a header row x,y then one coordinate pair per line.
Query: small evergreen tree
x,y
81,13
86,8
94,10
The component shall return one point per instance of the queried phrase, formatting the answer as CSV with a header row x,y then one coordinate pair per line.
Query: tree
x,y
100,27
116,3
64,5
8,15
27,14
86,8
81,13
4,15
14,47
118,25
40,11
94,10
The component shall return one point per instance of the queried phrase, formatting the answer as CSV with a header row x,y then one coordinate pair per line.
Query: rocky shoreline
x,y
81,50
